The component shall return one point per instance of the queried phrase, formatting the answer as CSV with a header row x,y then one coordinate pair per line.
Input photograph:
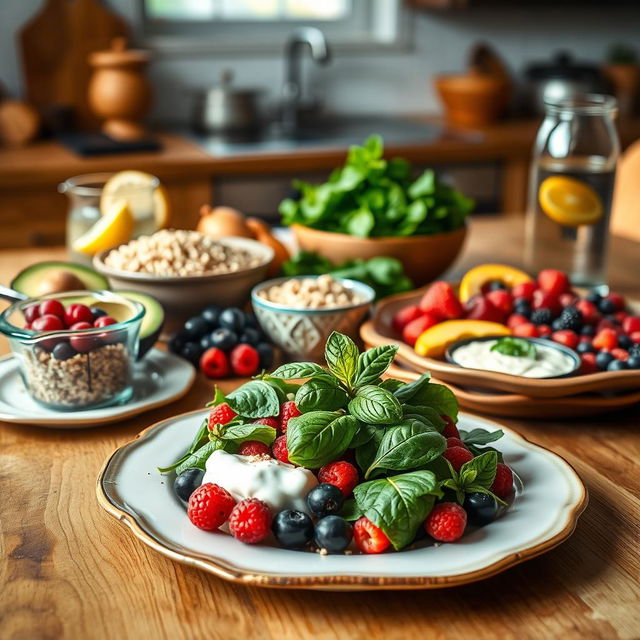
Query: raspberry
x,y
210,506
254,448
368,537
446,522
405,316
412,331
503,483
524,290
340,474
457,456
221,414
440,299
450,430
279,449
553,281
288,410
214,363
244,359
526,330
250,521
455,442
269,422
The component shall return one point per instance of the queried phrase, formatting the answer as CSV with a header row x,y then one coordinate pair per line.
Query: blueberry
x,y
496,285
267,355
186,483
617,365
212,315
557,325
333,533
224,339
585,347
250,336
196,327
63,351
588,330
603,359
251,321
522,306
205,342
606,306
191,352
232,319
177,341
593,296
624,342
292,529
97,312
481,508
325,499
634,362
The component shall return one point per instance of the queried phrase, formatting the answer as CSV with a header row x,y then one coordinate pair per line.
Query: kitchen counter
x,y
69,570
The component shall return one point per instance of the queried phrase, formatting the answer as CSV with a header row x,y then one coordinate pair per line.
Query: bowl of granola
x,y
76,350
186,270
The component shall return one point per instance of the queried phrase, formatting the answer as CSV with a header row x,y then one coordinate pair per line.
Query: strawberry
x,y
553,281
368,537
566,337
588,363
546,300
481,308
412,331
502,300
405,316
446,522
526,330
606,338
631,324
441,300
524,290
589,311
635,337
515,319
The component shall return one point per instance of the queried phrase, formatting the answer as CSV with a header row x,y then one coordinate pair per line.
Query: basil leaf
x,y
319,437
428,415
407,446
341,355
363,434
218,398
295,370
282,387
366,453
398,505
373,363
321,393
479,489
480,436
198,459
438,397
200,436
478,451
255,399
407,392
391,384
376,406
242,432
515,347
350,510
484,467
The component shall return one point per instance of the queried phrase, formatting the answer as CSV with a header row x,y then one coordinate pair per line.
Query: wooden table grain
x,y
68,570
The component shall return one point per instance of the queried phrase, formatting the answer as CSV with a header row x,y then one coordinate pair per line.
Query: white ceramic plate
x,y
160,378
549,501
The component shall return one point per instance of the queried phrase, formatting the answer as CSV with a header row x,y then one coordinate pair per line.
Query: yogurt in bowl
x,y
532,357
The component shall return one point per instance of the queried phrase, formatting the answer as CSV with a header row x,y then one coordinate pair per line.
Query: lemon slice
x,y
114,228
141,191
569,201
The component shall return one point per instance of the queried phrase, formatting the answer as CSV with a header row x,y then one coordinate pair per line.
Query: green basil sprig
x,y
518,347
476,475
255,399
376,405
322,393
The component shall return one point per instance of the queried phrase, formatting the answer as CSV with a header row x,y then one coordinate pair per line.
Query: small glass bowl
x,y
93,370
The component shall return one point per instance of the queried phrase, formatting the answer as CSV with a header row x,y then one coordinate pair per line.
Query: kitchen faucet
x,y
292,89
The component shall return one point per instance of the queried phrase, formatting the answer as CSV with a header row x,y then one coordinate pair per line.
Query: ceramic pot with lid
x,y
559,79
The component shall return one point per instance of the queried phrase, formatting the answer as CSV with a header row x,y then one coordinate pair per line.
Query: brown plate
x,y
378,331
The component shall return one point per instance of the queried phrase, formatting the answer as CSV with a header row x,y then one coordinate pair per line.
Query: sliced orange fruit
x,y
473,281
142,192
115,227
433,342
569,201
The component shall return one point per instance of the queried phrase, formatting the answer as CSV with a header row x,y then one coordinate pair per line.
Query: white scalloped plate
x,y
549,500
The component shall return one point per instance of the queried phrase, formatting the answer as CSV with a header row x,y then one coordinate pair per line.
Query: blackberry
x,y
542,316
571,318
634,351
522,306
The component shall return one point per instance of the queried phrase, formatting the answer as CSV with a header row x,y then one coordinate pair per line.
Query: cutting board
x,y
55,45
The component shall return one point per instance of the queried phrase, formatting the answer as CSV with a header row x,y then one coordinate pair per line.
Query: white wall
x,y
393,82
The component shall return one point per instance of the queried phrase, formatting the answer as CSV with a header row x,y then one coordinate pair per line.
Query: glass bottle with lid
x,y
571,188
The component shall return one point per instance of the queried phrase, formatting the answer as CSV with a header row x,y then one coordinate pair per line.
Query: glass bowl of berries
x,y
75,350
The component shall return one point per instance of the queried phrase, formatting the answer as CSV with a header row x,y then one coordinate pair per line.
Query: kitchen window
x,y
250,26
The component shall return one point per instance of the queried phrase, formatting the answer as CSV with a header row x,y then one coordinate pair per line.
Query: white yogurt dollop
x,y
280,485
548,361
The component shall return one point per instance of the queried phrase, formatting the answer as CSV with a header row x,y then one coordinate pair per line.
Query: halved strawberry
x,y
589,311
502,300
553,281
405,316
440,300
606,338
481,308
413,330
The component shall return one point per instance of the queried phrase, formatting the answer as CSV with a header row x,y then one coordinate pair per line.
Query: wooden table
x,y
69,570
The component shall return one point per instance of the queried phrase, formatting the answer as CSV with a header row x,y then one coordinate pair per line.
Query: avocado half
x,y
36,279
152,322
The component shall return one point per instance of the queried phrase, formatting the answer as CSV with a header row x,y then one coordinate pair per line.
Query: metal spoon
x,y
11,294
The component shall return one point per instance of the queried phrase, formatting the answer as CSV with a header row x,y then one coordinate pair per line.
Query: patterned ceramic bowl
x,y
302,333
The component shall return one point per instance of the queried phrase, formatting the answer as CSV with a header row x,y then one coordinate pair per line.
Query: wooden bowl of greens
x,y
374,207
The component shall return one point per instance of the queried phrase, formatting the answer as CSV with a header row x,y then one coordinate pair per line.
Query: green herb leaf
x,y
255,399
364,433
322,393
398,505
350,510
391,384
479,471
318,437
480,436
515,347
373,363
375,405
242,432
218,398
198,459
341,355
428,415
438,397
407,392
296,370
366,453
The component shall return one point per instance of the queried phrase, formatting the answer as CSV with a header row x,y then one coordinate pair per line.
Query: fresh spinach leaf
x,y
366,453
373,363
322,393
198,458
408,391
480,436
350,510
375,405
341,355
242,432
255,399
428,415
364,433
296,370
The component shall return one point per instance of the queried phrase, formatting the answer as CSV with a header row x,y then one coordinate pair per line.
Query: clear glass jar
x,y
571,188
85,192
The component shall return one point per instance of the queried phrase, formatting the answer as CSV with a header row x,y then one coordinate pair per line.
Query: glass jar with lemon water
x,y
571,189
108,209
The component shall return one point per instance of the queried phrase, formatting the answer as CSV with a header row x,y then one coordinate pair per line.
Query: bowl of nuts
x,y
299,313
76,350
186,270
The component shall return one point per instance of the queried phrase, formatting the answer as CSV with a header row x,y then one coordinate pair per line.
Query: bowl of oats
x,y
76,350
186,270
298,314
